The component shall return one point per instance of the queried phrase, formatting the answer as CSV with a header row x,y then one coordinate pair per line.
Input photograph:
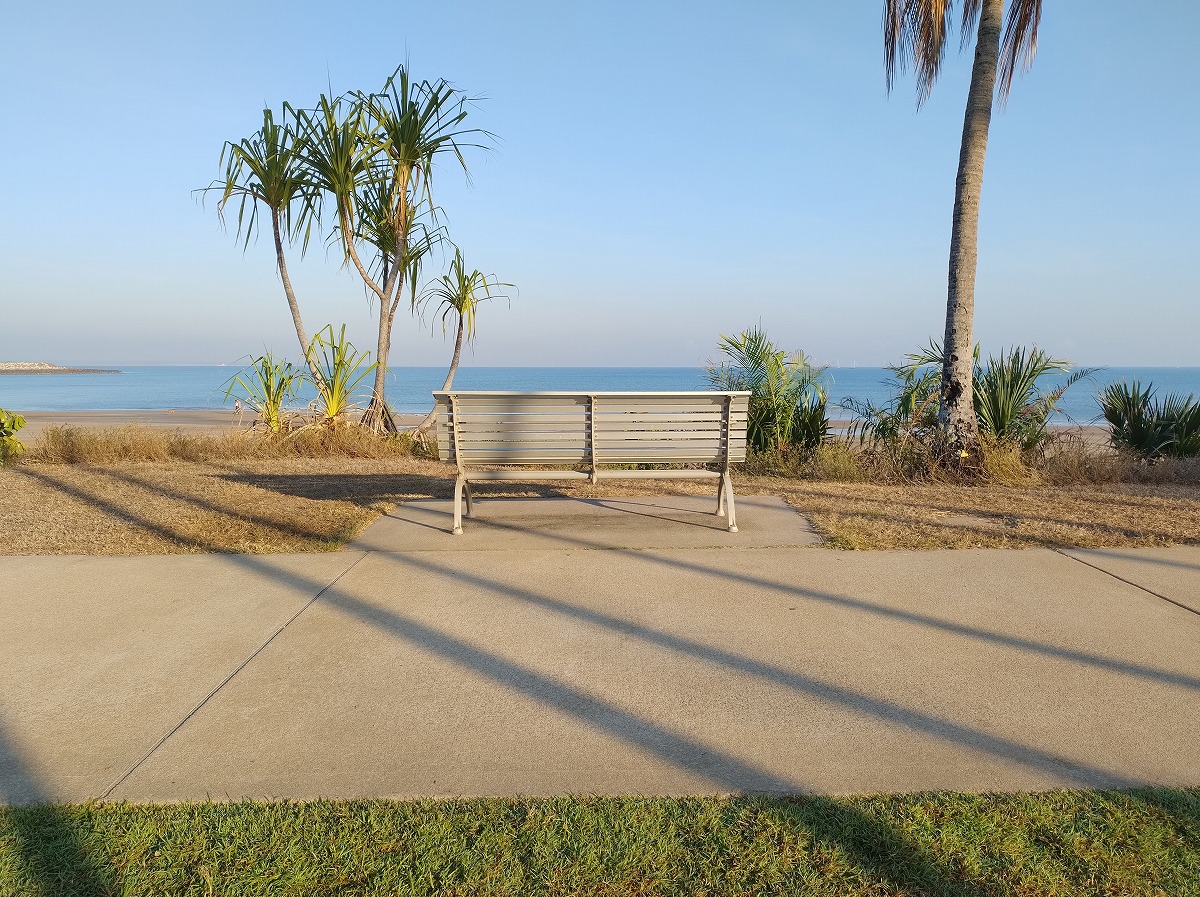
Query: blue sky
x,y
666,172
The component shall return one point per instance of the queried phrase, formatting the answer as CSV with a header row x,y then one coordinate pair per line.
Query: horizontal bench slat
x,y
601,405
471,417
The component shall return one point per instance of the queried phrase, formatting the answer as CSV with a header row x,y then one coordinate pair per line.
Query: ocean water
x,y
409,388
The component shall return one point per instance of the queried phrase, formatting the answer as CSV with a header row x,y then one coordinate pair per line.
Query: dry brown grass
x,y
112,445
312,504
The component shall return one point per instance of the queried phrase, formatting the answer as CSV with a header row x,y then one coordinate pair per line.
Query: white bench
x,y
571,429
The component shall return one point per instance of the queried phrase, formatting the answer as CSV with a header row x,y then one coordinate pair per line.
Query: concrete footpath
x,y
620,646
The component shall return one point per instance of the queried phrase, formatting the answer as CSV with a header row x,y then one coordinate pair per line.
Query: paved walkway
x,y
626,646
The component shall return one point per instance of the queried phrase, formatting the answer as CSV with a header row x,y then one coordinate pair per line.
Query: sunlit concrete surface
x,y
662,521
554,662
1173,573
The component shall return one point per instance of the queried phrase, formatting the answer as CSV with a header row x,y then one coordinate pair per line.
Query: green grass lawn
x,y
1143,842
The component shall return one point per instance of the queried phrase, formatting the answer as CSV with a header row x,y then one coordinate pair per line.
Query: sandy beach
x,y
183,419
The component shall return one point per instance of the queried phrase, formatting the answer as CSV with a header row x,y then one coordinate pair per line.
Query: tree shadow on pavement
x,y
53,856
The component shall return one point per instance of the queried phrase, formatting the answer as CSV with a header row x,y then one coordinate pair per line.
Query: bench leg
x,y
459,484
721,496
727,495
467,490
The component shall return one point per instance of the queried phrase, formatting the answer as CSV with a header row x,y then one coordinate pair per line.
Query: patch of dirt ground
x,y
319,504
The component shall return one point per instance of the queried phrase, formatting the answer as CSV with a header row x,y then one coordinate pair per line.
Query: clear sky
x,y
667,171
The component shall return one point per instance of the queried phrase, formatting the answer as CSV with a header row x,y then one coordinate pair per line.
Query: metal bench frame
x,y
587,429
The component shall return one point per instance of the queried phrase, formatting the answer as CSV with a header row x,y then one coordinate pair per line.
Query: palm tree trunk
x,y
305,345
458,341
957,411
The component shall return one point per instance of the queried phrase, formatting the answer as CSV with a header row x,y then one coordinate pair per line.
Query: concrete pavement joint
x,y
307,604
1130,582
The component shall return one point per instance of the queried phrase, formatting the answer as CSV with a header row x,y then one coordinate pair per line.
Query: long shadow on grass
x,y
880,851
171,535
51,847
1019,516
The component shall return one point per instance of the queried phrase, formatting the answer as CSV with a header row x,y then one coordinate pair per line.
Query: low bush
x,y
11,448
1150,428
903,438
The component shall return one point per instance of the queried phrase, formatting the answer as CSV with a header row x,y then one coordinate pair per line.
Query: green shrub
x,y
787,396
11,448
1150,428
1012,409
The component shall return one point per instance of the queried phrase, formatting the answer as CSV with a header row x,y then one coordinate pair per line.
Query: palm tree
x,y
372,155
915,31
458,294
264,169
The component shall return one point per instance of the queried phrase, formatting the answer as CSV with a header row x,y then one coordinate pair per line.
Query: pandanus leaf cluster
x,y
787,393
269,384
266,386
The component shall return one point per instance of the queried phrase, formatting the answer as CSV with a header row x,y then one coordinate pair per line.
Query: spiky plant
x,y
267,385
1151,428
371,156
342,368
787,395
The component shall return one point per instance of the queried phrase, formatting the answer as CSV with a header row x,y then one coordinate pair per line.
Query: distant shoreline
x,y
42,367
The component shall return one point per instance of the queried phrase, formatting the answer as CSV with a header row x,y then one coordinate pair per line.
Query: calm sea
x,y
185,387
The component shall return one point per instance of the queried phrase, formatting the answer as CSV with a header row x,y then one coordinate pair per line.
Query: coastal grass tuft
x,y
1068,843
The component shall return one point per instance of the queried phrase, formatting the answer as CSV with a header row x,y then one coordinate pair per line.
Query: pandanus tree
x,y
360,164
371,157
458,294
263,172
915,33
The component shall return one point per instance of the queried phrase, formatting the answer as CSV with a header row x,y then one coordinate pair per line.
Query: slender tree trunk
x,y
957,411
378,416
305,346
427,424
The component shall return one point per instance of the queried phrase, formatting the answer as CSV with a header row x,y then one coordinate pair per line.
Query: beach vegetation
x,y
1066,843
265,170
371,158
915,33
1011,400
358,166
1151,428
341,369
266,386
787,393
11,448
456,296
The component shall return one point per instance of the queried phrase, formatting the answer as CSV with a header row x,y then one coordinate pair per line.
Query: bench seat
x,y
484,432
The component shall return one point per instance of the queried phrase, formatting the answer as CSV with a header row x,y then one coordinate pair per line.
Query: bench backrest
x,y
591,428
